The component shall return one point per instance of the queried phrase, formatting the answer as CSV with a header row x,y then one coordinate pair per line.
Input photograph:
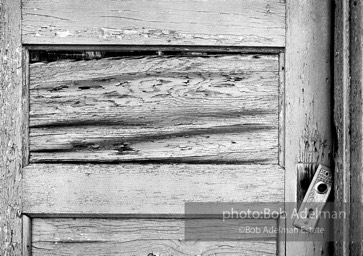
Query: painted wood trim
x,y
308,104
11,146
148,189
242,23
27,236
163,237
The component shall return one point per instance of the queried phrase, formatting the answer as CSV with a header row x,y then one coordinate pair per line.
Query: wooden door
x,y
138,107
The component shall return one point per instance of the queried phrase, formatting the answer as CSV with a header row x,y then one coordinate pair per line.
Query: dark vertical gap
x,y
331,246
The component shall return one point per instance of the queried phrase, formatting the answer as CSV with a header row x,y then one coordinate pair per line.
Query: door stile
x,y
11,120
308,90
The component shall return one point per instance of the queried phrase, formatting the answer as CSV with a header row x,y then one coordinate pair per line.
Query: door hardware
x,y
315,199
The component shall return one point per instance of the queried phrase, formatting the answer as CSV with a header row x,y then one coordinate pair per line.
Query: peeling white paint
x,y
63,33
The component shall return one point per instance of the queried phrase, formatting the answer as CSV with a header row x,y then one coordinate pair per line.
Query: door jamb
x,y
348,73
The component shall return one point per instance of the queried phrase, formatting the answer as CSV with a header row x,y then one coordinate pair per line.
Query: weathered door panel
x,y
154,132
136,237
118,145
211,109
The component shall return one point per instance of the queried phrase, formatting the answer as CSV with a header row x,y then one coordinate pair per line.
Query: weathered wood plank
x,y
356,126
11,128
348,124
145,189
308,103
177,109
141,237
342,126
238,64
191,22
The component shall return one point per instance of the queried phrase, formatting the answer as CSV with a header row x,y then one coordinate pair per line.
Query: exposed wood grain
x,y
139,237
166,22
177,109
25,106
145,189
11,127
356,126
308,102
342,125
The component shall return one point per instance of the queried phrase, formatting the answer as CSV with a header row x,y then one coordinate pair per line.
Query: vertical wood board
x,y
342,181
308,101
11,128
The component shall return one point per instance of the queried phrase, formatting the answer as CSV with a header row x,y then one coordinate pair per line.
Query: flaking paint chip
x,y
63,33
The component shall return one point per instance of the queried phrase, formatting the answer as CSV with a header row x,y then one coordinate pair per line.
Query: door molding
x,y
348,124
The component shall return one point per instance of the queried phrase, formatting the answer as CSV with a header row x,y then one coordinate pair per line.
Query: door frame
x,y
348,125
348,75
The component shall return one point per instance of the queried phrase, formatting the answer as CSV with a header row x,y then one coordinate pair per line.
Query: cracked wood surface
x,y
220,108
146,189
160,237
11,128
166,22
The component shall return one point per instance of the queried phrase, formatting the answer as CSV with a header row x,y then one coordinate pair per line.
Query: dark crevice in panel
x,y
185,160
55,55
